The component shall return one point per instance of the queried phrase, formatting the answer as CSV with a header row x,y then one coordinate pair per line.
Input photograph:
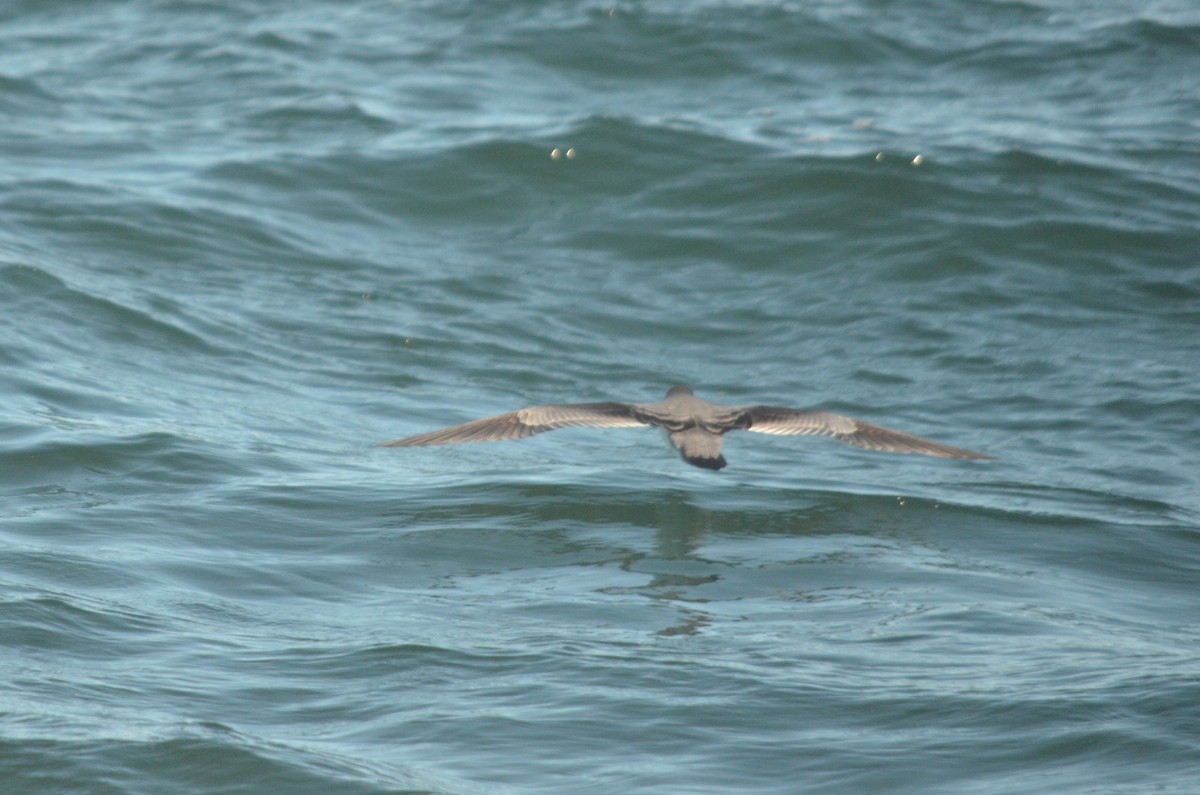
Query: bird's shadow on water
x,y
681,539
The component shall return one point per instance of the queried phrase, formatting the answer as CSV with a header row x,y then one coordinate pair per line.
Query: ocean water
x,y
241,244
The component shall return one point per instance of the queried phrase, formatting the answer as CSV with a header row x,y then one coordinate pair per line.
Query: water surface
x,y
241,244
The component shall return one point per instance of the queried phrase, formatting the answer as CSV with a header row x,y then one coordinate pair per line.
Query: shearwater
x,y
694,426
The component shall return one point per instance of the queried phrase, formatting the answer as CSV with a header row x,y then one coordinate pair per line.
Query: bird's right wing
x,y
527,422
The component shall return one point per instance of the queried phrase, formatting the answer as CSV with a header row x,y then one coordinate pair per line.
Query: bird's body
x,y
695,427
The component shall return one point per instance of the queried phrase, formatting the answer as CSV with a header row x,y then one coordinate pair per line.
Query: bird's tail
x,y
699,448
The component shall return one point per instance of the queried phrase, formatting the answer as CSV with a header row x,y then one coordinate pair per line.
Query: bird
x,y
695,427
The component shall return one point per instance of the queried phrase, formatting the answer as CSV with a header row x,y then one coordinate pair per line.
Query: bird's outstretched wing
x,y
797,422
527,422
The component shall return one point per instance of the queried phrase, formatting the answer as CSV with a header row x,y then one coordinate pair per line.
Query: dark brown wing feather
x,y
527,422
792,422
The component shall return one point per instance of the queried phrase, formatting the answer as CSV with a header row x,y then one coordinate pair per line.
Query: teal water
x,y
241,244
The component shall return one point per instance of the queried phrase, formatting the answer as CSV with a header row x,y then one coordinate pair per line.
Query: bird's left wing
x,y
793,422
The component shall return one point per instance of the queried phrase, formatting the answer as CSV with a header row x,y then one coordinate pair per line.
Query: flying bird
x,y
694,426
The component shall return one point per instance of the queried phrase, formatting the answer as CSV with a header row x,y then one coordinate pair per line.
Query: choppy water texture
x,y
242,243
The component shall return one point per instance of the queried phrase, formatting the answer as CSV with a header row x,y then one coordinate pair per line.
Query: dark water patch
x,y
1020,47
223,574
229,763
22,95
57,624
420,665
628,43
303,117
1156,36
148,461
153,234
1185,293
